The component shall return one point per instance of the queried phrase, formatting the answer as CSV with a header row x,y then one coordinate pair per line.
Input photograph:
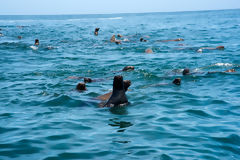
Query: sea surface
x,y
43,117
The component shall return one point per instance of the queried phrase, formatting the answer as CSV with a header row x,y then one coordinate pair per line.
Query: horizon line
x,y
115,13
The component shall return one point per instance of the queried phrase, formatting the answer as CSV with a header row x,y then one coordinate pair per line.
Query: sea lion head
x,y
97,29
81,87
118,42
36,42
119,35
186,71
118,83
177,81
87,80
126,83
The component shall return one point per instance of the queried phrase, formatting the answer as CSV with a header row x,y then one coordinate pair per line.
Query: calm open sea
x,y
43,117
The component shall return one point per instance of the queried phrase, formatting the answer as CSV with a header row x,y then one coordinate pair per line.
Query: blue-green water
x,y
43,117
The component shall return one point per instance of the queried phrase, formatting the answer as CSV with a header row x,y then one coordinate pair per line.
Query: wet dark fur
x,y
118,96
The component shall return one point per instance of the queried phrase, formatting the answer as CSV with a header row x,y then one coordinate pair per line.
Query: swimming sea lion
x,y
96,31
106,96
81,87
186,71
128,68
230,70
170,40
177,81
87,80
143,40
148,50
118,96
113,38
36,42
220,47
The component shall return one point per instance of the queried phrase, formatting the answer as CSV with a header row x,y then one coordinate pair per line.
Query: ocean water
x,y
43,117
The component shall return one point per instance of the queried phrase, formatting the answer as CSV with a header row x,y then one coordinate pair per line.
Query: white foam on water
x,y
112,18
34,47
223,64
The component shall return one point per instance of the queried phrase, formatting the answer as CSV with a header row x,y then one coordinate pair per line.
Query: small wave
x,y
112,18
77,19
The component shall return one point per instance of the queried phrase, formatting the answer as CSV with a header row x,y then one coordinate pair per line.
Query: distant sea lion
x,y
87,80
148,50
118,96
177,81
81,87
36,42
96,31
119,35
186,71
143,40
128,68
113,39
227,71
170,40
200,50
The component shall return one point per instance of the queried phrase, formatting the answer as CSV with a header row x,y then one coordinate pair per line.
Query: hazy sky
x,y
110,6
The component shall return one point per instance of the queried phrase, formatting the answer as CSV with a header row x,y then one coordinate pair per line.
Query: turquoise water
x,y
43,117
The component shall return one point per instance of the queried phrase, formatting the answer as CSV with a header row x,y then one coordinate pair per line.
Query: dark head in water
x,y
87,80
186,71
118,96
81,87
126,83
143,40
177,81
96,31
36,42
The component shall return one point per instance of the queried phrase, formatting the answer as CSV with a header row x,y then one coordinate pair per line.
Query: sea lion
x,y
230,70
143,40
36,42
177,81
171,40
119,35
186,71
148,50
81,87
118,42
118,96
128,68
227,71
105,97
220,47
87,80
96,31
113,39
